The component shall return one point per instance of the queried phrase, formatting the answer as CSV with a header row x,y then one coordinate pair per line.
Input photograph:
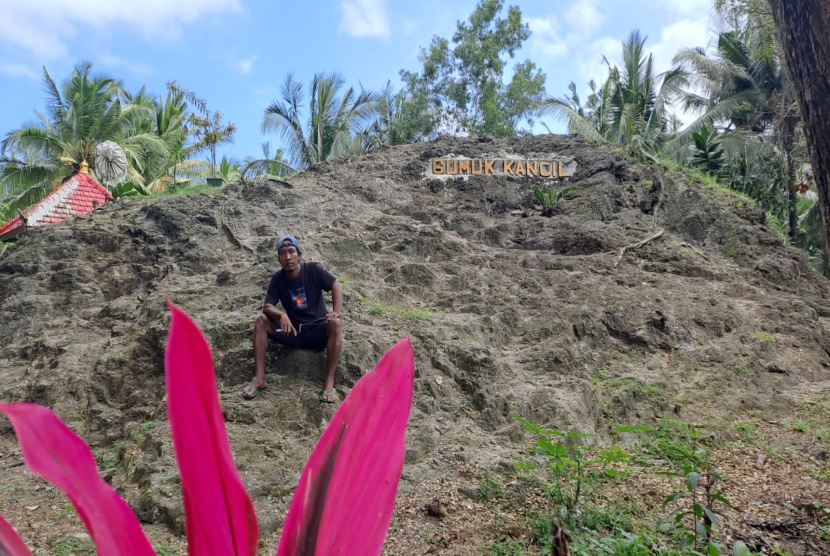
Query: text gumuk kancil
x,y
483,167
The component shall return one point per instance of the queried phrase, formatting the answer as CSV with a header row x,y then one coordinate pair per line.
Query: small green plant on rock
x,y
490,488
548,197
765,337
748,431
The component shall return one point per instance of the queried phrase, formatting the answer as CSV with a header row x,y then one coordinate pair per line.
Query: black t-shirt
x,y
301,298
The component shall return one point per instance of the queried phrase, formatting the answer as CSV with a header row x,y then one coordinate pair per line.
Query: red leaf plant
x,y
344,500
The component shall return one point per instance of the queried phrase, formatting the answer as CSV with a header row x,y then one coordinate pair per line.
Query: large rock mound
x,y
580,316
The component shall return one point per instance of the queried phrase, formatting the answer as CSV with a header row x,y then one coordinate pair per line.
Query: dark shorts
x,y
309,336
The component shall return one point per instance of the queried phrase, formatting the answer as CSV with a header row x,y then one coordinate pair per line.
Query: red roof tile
x,y
78,195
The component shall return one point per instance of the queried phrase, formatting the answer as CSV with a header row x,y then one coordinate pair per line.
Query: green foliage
x,y
334,118
210,131
629,108
206,126
145,429
672,439
811,236
697,500
126,189
376,309
86,111
571,466
229,170
187,190
756,169
748,431
489,488
268,166
72,547
507,547
742,86
708,154
161,169
165,550
548,197
629,545
465,84
400,118
765,337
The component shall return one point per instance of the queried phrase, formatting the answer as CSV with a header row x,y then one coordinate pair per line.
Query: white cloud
x,y
553,36
688,6
678,35
42,27
583,18
245,66
137,69
365,18
18,70
545,38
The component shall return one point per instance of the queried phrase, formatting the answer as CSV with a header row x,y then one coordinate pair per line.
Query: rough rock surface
x,y
513,310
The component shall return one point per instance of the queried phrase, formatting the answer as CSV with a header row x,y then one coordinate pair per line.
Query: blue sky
x,y
236,53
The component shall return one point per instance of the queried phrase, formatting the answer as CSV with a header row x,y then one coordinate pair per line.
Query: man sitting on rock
x,y
305,324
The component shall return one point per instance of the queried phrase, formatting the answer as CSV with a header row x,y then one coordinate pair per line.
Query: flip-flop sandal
x,y
249,394
330,394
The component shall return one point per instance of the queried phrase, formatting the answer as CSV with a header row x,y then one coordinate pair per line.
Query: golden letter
x,y
464,167
488,167
438,167
532,168
452,167
508,166
480,164
562,175
520,168
542,172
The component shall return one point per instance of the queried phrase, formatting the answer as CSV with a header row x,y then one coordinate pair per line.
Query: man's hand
x,y
286,326
331,315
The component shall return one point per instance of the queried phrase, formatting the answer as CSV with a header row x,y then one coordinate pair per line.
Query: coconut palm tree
x,y
632,103
164,169
333,119
398,119
86,111
268,165
739,87
743,87
229,170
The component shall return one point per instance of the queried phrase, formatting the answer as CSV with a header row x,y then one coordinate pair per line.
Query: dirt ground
x,y
647,294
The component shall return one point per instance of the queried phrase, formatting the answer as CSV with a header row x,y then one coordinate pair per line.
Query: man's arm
x,y
336,301
272,312
278,316
269,308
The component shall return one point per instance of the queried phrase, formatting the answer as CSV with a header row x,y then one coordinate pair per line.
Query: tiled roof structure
x,y
79,195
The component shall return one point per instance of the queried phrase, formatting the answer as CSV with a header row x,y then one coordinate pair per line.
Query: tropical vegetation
x,y
631,106
89,108
334,118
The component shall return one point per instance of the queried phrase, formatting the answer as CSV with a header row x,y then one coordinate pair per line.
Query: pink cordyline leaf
x,y
57,454
220,515
10,543
344,501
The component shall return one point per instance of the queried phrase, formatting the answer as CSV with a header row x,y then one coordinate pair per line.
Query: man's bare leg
x,y
262,329
333,347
